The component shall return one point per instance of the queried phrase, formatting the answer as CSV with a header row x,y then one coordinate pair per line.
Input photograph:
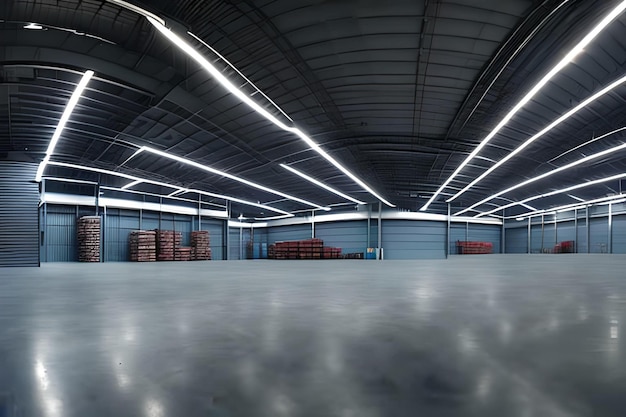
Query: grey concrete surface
x,y
527,335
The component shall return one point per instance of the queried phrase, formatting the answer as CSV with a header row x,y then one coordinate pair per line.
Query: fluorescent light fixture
x,y
555,70
226,83
547,174
519,219
226,174
555,192
542,132
172,194
554,210
527,206
131,184
130,177
274,217
621,200
588,142
320,184
33,26
575,198
69,108
571,209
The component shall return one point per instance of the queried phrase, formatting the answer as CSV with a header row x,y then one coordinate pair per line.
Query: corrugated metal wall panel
x,y
60,240
457,232
535,239
405,239
486,233
351,236
149,220
619,234
238,240
19,214
517,240
182,224
565,231
598,234
294,232
117,227
581,245
549,235
216,236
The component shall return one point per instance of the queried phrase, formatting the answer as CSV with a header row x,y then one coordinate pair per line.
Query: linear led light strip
x,y
555,70
547,174
223,174
618,198
320,184
542,132
217,74
551,193
69,108
184,190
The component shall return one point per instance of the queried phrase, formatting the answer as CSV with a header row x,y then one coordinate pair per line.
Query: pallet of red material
x,y
200,247
142,244
474,248
88,235
183,254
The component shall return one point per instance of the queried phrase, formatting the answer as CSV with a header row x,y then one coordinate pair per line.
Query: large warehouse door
x,y
19,216
517,240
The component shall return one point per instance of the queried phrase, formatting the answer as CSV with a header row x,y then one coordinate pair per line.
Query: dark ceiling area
x,y
399,92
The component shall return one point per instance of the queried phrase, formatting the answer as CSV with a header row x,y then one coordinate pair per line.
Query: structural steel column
x,y
588,229
313,224
610,237
575,230
529,241
503,237
380,230
369,226
448,234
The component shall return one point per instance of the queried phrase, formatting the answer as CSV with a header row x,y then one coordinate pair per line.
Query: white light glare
x,y
131,184
227,175
130,177
547,174
566,60
554,210
320,184
33,26
69,108
217,74
542,132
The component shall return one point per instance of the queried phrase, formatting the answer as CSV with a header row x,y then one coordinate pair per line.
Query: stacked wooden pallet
x,y
473,248
200,246
183,253
310,249
332,253
89,239
142,246
307,249
165,245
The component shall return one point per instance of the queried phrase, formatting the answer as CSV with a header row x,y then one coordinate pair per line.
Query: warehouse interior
x,y
424,196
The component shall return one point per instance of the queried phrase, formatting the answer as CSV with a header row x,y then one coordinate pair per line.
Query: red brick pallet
x,y
307,249
567,246
182,254
200,246
474,248
142,246
88,232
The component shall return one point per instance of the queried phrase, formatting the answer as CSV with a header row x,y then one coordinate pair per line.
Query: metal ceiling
x,y
399,92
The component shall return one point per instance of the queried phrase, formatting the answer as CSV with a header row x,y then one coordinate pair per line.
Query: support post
x,y
575,230
503,237
448,234
380,230
542,234
588,229
199,212
529,240
369,226
312,224
610,237
227,233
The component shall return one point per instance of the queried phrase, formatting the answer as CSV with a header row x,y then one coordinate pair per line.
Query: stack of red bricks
x,y
310,249
142,246
200,246
165,245
474,248
89,239
332,253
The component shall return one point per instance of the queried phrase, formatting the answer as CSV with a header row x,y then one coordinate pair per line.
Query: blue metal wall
x,y
458,231
351,236
516,240
406,239
293,232
599,235
619,234
566,231
486,233
60,241
581,243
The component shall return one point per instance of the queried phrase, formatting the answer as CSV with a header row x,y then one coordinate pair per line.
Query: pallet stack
x,y
332,253
89,239
200,246
165,245
473,248
310,249
142,246
182,254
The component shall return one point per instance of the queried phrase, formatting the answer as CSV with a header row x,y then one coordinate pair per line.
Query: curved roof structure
x,y
382,101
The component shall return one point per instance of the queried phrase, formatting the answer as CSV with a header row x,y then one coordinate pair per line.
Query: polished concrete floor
x,y
499,335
